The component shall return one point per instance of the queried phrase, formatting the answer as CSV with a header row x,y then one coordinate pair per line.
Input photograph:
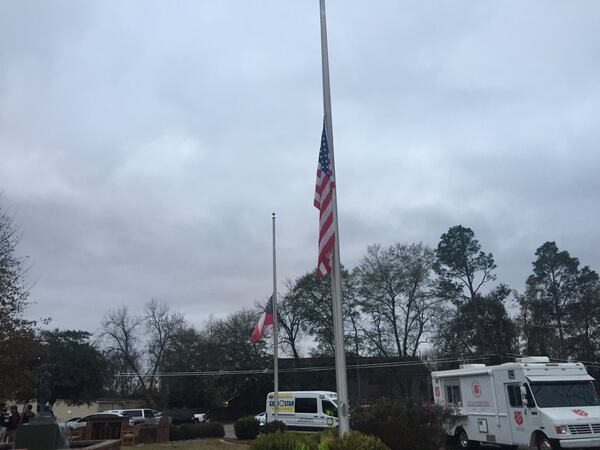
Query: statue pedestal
x,y
43,434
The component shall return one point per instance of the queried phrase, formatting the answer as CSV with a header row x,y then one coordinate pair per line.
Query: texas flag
x,y
265,319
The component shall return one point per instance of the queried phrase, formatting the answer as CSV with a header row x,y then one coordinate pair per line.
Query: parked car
x,y
179,415
72,419
137,416
201,418
80,422
262,419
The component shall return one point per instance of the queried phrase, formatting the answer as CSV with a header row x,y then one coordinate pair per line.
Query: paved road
x,y
229,431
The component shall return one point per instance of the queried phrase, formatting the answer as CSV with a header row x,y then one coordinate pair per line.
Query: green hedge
x,y
195,431
351,441
275,426
247,428
409,424
287,441
324,441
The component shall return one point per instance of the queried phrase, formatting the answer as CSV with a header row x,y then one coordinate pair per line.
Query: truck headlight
x,y
561,429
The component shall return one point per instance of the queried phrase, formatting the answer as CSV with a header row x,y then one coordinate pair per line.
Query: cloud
x,y
144,145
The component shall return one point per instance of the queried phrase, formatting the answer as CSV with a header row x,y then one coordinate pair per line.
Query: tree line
x,y
401,300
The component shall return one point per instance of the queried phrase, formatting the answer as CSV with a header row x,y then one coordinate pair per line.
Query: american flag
x,y
324,203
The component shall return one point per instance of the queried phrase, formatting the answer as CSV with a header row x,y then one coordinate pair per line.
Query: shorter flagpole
x,y
275,324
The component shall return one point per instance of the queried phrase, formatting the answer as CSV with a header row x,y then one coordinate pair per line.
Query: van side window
x,y
453,394
306,405
329,408
514,395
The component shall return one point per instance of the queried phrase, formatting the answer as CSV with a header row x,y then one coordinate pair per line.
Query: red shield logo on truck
x,y
580,412
437,391
476,389
518,418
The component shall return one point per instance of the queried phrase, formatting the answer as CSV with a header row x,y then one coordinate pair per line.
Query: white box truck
x,y
529,403
304,409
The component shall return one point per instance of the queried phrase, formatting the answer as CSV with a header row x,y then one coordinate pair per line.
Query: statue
x,y
42,432
45,393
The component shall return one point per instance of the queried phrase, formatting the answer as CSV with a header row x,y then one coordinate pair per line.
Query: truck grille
x,y
584,428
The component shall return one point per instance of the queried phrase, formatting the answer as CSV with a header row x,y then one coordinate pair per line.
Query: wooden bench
x,y
130,434
76,434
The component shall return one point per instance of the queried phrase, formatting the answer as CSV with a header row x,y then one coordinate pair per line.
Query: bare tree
x,y
353,318
376,334
313,296
121,333
161,326
290,312
313,311
396,288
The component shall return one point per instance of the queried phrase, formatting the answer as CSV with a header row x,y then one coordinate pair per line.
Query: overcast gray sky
x,y
144,145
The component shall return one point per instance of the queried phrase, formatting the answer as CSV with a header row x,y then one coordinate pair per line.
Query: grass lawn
x,y
196,444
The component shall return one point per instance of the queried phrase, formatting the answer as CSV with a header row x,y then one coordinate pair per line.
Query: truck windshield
x,y
565,393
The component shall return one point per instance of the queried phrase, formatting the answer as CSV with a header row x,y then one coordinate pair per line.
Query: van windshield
x,y
329,409
564,394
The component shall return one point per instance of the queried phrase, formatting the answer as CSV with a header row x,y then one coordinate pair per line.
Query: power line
x,y
389,364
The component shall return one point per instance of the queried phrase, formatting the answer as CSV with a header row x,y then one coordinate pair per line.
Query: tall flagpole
x,y
275,338
336,285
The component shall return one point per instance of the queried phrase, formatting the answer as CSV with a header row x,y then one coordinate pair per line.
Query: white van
x,y
529,403
304,409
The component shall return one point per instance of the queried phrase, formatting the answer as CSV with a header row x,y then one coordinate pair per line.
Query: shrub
x,y
407,424
186,430
351,441
314,441
275,426
211,429
174,433
195,431
287,441
247,428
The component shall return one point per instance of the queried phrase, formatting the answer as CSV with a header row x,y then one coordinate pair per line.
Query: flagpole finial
x,y
273,214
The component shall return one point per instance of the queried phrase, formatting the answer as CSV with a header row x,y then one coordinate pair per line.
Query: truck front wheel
x,y
543,443
463,442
